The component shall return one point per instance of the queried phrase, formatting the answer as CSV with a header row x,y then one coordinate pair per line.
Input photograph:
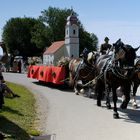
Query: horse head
x,y
119,50
92,57
124,53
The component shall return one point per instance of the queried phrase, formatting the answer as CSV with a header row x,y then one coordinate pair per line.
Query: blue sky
x,y
112,18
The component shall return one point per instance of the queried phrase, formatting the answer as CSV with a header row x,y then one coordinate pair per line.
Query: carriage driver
x,y
105,47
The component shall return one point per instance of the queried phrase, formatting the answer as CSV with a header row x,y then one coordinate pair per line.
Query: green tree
x,y
24,36
39,35
55,19
88,40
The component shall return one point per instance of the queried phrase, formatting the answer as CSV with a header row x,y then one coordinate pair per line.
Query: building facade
x,y
66,48
72,37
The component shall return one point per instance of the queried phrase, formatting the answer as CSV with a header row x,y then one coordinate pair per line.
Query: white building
x,y
67,48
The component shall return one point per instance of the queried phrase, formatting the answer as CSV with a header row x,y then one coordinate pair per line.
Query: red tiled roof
x,y
54,47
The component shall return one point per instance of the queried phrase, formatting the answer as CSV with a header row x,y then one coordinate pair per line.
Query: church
x,y
65,48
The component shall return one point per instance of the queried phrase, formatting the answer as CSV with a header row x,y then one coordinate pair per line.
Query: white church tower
x,y
72,37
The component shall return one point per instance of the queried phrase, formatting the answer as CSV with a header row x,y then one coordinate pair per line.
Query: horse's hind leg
x,y
108,101
107,93
115,98
75,89
135,87
78,88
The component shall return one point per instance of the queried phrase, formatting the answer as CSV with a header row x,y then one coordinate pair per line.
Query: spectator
x,y
5,89
19,66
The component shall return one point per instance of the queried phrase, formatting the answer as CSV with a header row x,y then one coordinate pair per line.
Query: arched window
x,y
67,32
74,31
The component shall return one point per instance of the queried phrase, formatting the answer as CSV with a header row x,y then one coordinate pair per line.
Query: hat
x,y
106,38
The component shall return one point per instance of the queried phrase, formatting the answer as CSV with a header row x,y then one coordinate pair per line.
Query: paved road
x,y
72,117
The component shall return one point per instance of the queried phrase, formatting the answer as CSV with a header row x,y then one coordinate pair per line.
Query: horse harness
x,y
84,66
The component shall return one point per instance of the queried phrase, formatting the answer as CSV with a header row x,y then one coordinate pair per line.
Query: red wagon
x,y
52,74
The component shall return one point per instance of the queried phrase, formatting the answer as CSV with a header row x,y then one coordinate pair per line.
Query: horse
x,y
84,72
135,81
114,71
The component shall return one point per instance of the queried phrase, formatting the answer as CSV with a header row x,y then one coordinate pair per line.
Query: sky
x,y
113,18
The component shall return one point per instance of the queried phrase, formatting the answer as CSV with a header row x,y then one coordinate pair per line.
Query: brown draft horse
x,y
84,72
115,71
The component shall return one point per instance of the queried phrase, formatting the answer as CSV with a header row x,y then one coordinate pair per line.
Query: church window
x,y
74,32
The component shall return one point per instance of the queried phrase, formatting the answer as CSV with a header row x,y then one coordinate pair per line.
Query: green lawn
x,y
17,118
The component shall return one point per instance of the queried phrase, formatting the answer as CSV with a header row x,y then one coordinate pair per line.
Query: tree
x,y
87,40
55,19
24,36
29,36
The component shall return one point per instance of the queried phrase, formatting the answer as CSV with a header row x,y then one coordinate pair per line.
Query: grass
x,y
17,118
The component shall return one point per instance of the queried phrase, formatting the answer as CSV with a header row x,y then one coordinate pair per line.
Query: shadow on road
x,y
130,115
63,87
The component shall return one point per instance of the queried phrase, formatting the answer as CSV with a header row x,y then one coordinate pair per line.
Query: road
x,y
73,117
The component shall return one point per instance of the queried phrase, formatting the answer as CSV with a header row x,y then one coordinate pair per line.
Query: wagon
x,y
48,74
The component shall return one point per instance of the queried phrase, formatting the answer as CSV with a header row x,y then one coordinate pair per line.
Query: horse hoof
x,y
123,106
76,93
135,106
98,103
116,116
108,106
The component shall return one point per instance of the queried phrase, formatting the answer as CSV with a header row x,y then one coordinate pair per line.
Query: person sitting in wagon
x,y
105,47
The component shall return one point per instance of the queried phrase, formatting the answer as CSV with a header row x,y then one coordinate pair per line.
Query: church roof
x,y
72,19
54,47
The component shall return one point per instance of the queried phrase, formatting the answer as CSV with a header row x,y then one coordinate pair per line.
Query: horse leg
x,y
115,98
108,101
78,87
99,91
89,94
135,87
126,99
75,88
107,90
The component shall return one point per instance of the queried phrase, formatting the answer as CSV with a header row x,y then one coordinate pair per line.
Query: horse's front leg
x,y
107,93
126,91
99,91
134,103
115,98
75,88
78,87
108,100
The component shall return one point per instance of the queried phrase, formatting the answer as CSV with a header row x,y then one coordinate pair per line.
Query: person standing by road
x,y
19,66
